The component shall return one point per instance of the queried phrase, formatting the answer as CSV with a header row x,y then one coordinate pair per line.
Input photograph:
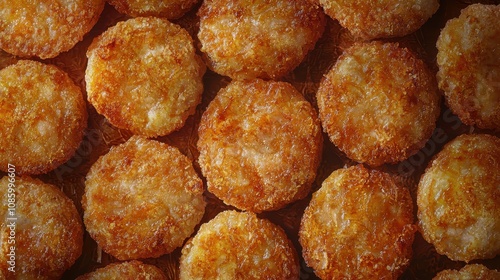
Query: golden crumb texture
x,y
170,9
368,20
43,116
469,65
144,75
379,103
142,199
45,28
258,39
239,245
260,145
48,230
358,225
458,199
469,272
132,270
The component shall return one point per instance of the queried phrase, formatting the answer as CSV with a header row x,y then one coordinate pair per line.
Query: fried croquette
x,y
368,20
42,117
45,28
458,199
142,199
359,225
237,245
132,270
469,65
258,39
469,272
379,103
42,234
143,75
260,145
170,9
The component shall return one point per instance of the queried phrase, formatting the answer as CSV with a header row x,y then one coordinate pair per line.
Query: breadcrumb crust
x,y
358,225
48,232
143,75
458,199
142,199
45,28
260,145
42,117
238,245
379,103
132,270
469,65
258,39
368,20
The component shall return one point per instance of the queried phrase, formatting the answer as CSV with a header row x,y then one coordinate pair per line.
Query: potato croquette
x,y
237,245
469,272
380,19
469,65
260,145
47,229
42,117
379,103
142,199
170,9
45,28
132,270
458,199
258,39
143,75
359,225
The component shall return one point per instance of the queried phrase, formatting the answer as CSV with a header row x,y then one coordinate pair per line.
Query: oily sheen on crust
x,y
42,117
143,75
260,145
48,230
458,199
45,28
238,245
379,103
358,225
142,199
258,39
469,65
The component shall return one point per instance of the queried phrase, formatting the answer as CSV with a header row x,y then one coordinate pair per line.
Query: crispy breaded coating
x,y
45,28
238,245
469,272
469,65
143,75
359,225
459,199
258,39
42,117
368,20
132,270
170,9
48,229
379,103
260,145
142,199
